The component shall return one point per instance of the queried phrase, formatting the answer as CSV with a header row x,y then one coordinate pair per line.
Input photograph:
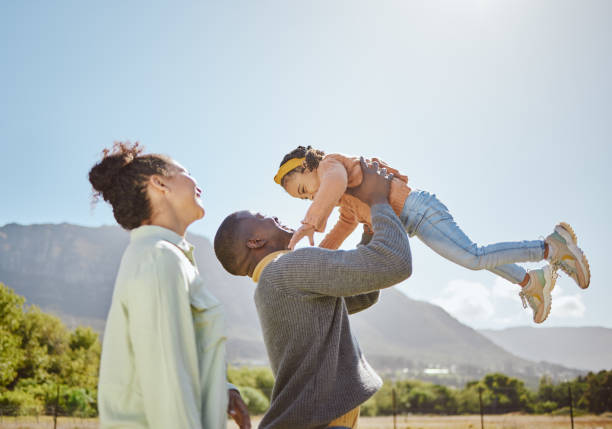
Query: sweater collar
x,y
264,263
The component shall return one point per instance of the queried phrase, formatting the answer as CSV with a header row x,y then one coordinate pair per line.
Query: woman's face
x,y
185,194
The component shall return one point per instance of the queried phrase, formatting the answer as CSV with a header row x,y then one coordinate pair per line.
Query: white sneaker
x,y
537,292
565,254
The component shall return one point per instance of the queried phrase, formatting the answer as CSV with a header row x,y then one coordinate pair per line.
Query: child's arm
x,y
333,182
344,227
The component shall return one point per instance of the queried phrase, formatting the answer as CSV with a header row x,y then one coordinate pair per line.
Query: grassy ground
x,y
506,421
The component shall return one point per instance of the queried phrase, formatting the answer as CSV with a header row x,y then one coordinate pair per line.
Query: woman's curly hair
x,y
120,178
311,162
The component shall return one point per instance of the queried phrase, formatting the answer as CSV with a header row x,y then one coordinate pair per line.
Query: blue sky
x,y
501,108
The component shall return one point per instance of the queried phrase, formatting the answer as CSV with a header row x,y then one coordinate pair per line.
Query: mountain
x,y
70,270
588,348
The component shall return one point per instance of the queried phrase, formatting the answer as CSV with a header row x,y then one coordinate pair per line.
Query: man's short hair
x,y
226,240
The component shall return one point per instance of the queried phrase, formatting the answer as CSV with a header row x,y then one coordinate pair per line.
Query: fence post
x,y
394,409
481,410
571,403
55,410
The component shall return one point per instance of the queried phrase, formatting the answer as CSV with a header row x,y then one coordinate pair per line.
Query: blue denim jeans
x,y
426,217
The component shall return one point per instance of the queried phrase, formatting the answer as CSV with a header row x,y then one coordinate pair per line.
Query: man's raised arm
x,y
385,261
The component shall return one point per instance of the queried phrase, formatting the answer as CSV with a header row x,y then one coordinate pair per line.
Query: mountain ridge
x,y
591,345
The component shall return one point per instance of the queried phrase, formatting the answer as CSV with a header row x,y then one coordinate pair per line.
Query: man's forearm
x,y
385,261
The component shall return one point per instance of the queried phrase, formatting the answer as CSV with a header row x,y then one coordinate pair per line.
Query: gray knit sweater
x,y
302,300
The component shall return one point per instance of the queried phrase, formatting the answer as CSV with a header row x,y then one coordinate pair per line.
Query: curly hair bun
x,y
103,174
313,156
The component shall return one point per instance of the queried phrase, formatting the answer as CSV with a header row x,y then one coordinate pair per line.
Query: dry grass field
x,y
507,421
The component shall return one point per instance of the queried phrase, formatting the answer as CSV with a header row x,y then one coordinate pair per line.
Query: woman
x,y
163,357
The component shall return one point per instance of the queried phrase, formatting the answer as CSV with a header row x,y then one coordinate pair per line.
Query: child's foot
x,y
537,292
565,254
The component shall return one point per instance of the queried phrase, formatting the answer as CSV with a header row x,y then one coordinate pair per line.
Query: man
x,y
303,299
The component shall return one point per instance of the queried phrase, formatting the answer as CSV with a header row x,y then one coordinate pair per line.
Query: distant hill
x,y
70,270
588,348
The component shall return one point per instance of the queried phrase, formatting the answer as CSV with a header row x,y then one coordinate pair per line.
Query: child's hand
x,y
302,231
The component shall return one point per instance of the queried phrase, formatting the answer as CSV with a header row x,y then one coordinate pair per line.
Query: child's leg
x,y
512,272
427,218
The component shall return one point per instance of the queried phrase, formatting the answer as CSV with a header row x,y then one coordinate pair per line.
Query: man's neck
x,y
264,261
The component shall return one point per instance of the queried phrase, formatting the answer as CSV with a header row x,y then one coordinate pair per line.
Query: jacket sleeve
x,y
333,182
385,261
357,303
347,222
163,340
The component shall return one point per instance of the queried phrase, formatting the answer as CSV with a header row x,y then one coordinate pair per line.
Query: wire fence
x,y
53,414
567,412
490,406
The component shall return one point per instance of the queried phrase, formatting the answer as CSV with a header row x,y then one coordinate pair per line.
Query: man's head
x,y
245,237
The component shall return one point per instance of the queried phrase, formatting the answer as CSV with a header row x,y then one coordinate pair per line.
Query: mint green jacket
x,y
163,355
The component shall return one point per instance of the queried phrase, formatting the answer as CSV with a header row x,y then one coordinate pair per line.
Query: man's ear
x,y
158,183
256,243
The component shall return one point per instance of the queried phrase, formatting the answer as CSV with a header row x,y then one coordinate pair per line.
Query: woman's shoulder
x,y
155,251
147,263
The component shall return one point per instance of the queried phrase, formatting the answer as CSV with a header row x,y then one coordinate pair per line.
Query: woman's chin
x,y
202,213
200,209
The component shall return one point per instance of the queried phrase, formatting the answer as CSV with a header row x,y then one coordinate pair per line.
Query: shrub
x,y
18,403
255,400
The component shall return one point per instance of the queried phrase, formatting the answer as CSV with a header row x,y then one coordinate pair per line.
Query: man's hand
x,y
302,231
237,409
374,188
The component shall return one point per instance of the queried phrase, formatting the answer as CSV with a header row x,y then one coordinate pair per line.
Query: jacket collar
x,y
161,233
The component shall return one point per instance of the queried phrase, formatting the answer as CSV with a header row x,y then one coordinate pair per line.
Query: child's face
x,y
302,185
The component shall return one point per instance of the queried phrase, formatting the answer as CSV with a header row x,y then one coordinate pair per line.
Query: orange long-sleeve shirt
x,y
337,173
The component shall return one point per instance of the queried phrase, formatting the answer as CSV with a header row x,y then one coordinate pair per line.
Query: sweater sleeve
x,y
385,261
333,182
357,303
163,340
347,222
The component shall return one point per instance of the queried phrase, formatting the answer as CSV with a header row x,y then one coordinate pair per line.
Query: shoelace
x,y
523,296
553,276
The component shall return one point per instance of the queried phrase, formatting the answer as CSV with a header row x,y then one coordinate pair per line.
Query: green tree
x,y
84,359
551,396
12,355
505,394
38,353
598,393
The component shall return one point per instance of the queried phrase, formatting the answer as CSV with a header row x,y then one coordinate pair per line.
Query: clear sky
x,y
502,108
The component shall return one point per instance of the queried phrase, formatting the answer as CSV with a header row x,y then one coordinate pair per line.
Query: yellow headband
x,y
287,167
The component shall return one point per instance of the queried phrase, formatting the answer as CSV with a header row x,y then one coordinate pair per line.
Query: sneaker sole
x,y
546,294
565,230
